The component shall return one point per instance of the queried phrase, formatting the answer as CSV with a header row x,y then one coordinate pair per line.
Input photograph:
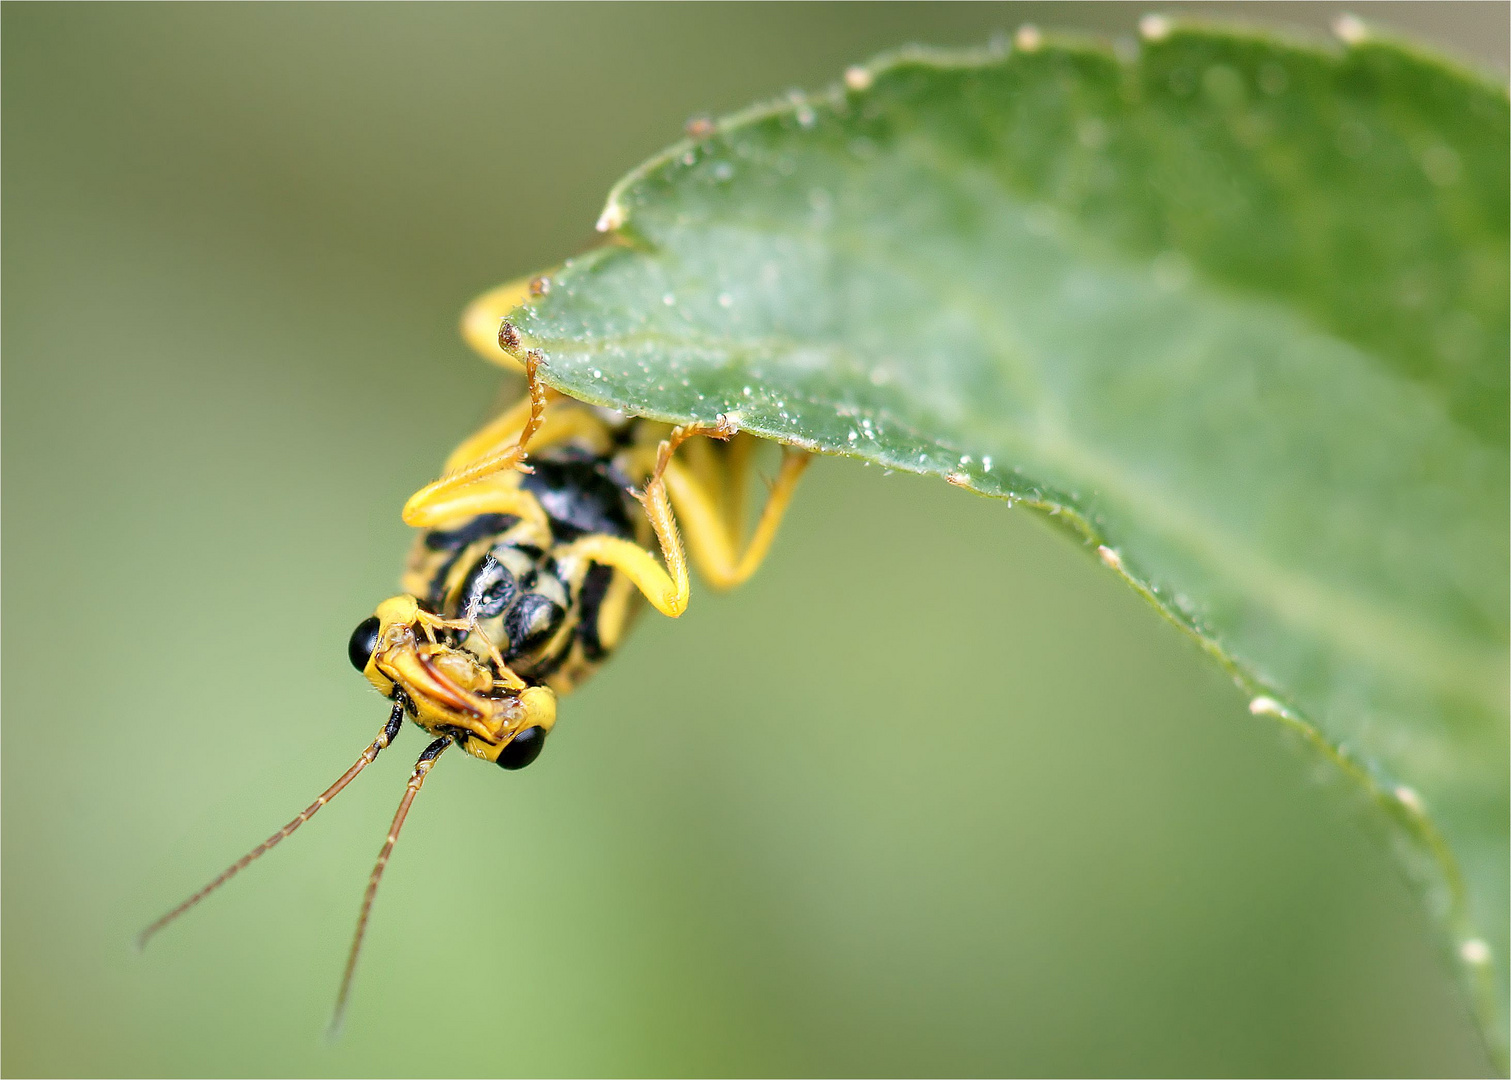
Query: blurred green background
x,y
935,793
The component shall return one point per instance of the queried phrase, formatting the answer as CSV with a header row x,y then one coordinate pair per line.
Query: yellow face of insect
x,y
450,690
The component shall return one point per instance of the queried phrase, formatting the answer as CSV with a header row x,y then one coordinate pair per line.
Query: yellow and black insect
x,y
527,574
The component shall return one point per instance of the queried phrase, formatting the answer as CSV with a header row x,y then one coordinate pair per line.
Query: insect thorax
x,y
553,615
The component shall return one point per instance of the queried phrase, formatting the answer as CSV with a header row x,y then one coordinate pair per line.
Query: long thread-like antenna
x,y
416,778
386,736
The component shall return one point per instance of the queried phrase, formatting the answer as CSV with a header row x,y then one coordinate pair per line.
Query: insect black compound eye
x,y
364,641
525,748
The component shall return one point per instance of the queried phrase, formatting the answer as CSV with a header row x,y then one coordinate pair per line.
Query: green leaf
x,y
1233,310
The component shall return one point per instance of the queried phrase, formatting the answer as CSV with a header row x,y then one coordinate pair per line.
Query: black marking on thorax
x,y
473,531
515,591
581,493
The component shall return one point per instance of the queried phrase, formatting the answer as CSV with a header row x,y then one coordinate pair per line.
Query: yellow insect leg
x,y
712,514
666,588
498,458
493,495
500,447
503,430
732,483
722,470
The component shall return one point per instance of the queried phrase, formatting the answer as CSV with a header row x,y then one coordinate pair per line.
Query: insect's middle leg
x,y
708,496
668,587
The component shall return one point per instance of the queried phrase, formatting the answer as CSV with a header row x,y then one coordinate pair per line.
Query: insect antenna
x,y
386,736
416,778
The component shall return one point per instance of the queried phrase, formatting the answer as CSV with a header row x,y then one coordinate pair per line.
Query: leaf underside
x,y
1233,309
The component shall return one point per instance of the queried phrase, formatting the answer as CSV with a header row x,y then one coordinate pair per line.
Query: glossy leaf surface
x,y
1233,309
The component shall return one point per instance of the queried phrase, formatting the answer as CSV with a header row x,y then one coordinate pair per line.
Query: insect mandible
x,y
532,561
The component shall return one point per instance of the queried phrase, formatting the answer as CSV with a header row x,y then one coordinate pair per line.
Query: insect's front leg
x,y
498,446
543,419
503,674
499,494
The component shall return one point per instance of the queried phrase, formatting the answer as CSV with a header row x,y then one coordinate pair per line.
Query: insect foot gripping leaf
x,y
1234,308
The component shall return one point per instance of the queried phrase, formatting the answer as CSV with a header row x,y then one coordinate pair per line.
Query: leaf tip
x,y
613,217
